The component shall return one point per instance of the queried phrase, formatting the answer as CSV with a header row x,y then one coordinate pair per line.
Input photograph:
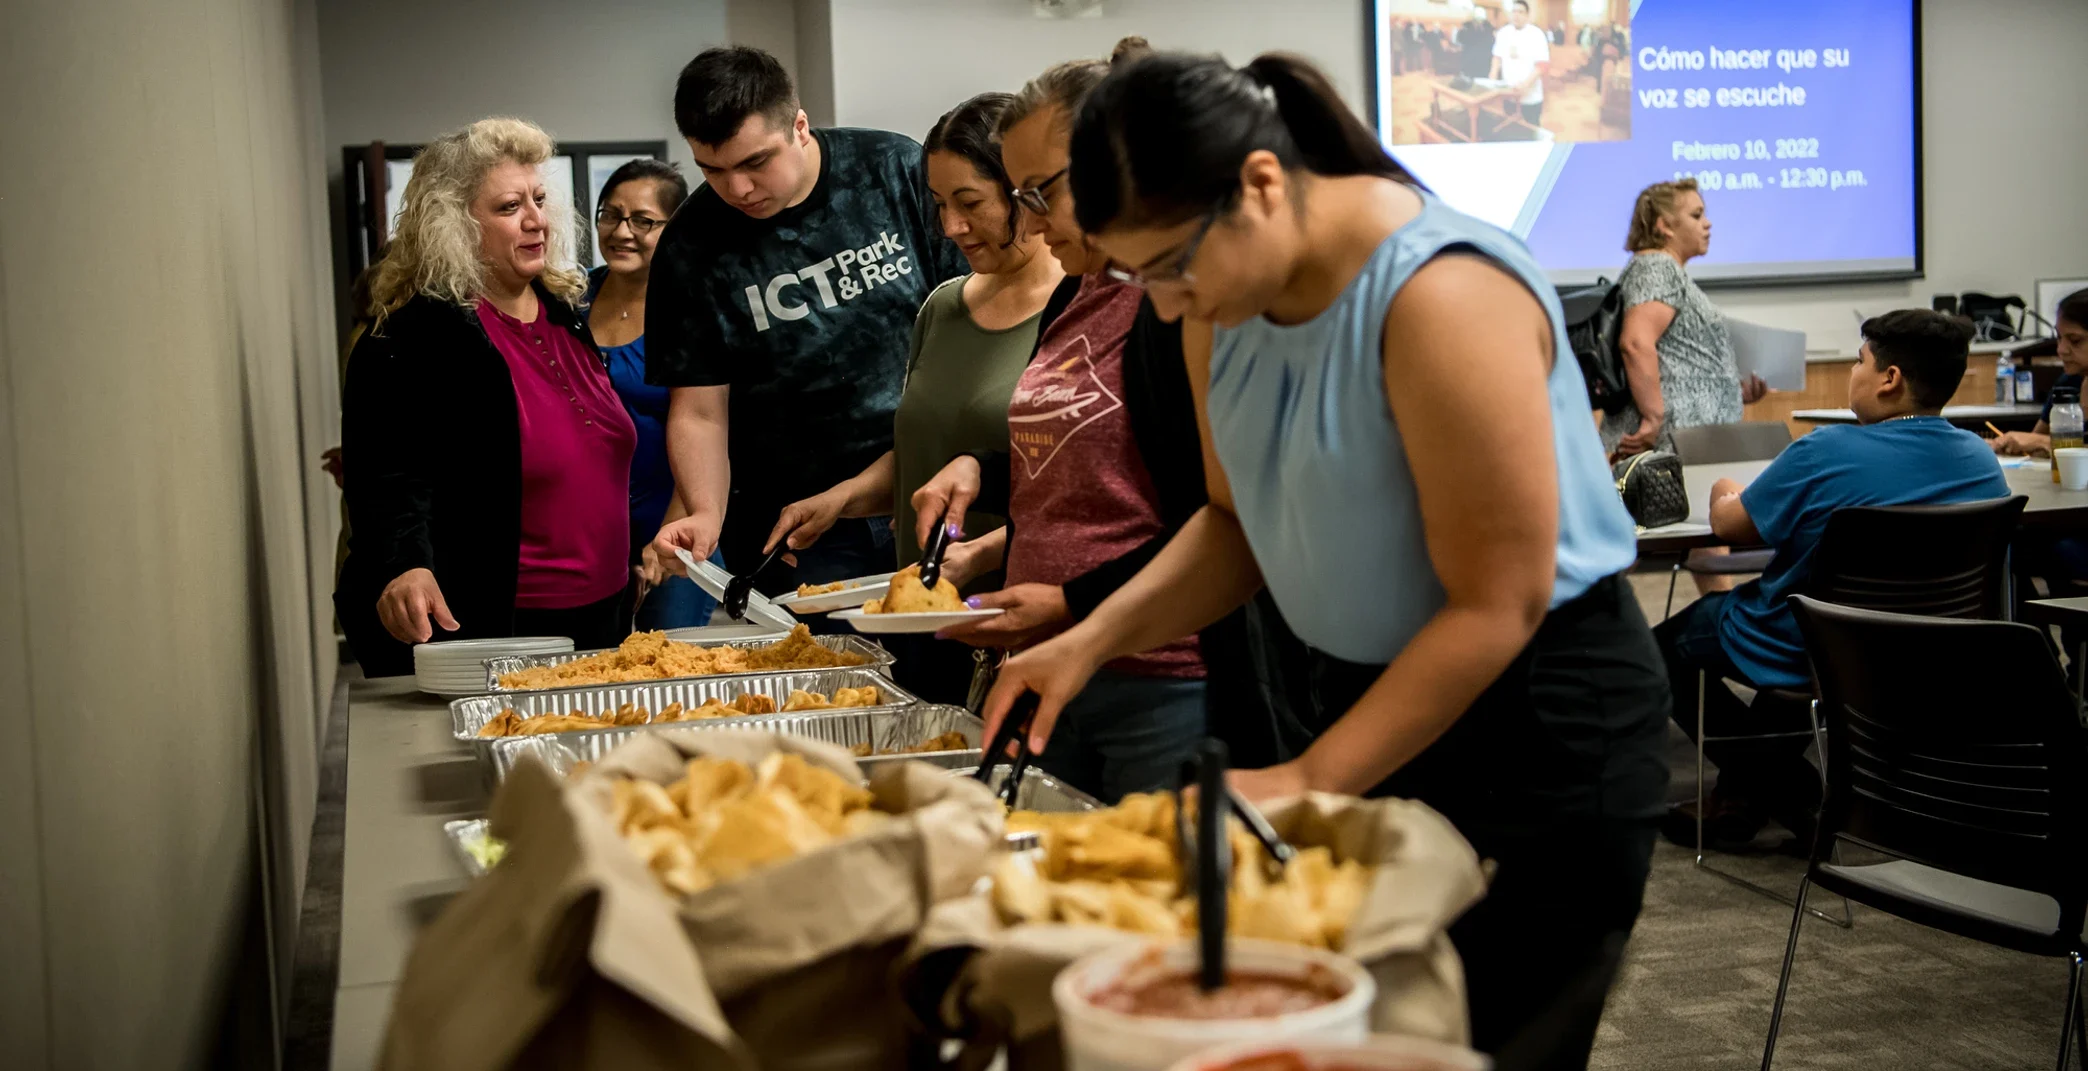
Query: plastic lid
x,y
2063,395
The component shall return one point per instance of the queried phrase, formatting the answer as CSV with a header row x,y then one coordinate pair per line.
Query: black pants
x,y
1533,114
1557,774
1770,774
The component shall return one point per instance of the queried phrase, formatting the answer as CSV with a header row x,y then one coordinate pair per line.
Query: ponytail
x,y
1161,140
1331,140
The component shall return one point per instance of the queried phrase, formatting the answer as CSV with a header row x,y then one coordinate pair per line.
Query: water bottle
x,y
2026,389
2004,379
2064,423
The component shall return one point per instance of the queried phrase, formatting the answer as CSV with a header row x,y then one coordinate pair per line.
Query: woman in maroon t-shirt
x,y
1080,496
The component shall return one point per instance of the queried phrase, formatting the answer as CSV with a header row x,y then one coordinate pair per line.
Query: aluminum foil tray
x,y
878,659
469,715
882,728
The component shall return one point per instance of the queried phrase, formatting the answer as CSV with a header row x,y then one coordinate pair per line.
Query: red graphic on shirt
x,y
1051,405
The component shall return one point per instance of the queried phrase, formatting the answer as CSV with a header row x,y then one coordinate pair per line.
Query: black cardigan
x,y
432,469
1255,667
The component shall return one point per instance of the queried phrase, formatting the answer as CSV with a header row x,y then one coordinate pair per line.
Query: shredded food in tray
x,y
510,722
648,656
723,818
949,741
1119,867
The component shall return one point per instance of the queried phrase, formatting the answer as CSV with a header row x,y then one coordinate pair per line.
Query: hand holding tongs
x,y
932,555
1014,729
742,587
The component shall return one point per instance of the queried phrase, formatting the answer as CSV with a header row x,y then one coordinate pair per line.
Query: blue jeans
x,y
1124,734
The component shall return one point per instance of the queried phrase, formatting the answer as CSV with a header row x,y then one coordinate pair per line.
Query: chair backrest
x,y
1937,561
1718,444
1954,744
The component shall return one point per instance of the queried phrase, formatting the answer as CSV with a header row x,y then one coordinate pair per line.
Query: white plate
x,y
863,590
895,623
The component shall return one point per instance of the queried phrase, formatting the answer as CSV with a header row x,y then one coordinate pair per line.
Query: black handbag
x,y
1652,488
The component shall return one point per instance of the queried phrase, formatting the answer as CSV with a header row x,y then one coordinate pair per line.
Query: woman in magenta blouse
x,y
487,459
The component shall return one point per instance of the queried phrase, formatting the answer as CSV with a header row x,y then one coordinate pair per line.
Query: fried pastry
x,y
907,595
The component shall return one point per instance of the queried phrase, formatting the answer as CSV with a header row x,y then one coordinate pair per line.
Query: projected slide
x,y
1546,117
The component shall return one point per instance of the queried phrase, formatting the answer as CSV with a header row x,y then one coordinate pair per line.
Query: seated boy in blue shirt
x,y
1900,452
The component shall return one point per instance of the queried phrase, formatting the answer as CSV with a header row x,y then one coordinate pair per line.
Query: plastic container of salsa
x,y
1136,1008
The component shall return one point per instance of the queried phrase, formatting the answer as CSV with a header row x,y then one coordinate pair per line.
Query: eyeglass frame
x,y
1032,197
1177,272
603,213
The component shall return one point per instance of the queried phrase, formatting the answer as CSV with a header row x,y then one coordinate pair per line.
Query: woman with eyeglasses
x,y
1400,451
1103,468
634,204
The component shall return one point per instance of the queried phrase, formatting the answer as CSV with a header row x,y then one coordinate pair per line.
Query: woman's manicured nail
x,y
972,602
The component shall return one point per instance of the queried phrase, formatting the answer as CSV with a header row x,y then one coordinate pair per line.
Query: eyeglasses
x,y
608,219
1176,273
1032,197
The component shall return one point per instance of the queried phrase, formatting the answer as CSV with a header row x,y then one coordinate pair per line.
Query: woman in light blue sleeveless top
x,y
1405,456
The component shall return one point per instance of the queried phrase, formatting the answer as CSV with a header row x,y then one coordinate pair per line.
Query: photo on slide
x,y
1466,71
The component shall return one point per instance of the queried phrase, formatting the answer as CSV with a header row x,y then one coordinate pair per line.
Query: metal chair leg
x,y
2073,1005
1674,574
1783,980
1847,921
2080,1033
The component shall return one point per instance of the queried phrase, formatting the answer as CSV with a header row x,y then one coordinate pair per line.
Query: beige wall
x,y
900,64
162,350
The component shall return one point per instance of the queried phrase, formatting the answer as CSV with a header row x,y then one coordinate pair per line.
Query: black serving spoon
x,y
741,588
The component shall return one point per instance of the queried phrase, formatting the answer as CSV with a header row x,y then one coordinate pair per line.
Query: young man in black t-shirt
x,y
780,307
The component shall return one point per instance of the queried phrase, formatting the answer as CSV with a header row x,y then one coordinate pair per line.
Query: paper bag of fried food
x,y
1377,880
741,898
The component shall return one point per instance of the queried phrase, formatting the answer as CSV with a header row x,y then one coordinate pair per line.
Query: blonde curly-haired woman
x,y
487,458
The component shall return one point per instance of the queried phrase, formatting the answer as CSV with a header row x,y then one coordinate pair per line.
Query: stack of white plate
x,y
454,668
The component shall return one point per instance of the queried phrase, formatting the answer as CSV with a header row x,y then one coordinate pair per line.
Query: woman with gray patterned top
x,y
1677,357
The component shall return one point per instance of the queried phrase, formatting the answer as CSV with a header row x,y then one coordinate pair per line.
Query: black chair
x,y
1938,561
1953,748
1718,444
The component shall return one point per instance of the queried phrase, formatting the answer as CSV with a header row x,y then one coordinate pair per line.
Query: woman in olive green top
x,y
971,341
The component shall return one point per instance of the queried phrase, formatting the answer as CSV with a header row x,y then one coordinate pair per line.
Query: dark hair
x,y
1524,4
1927,347
2073,309
721,87
673,188
971,131
1161,140
1065,85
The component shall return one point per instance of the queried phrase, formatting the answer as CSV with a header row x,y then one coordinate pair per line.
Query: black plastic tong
x,y
1014,730
932,554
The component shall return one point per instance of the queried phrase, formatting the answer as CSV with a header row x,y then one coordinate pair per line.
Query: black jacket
x,y
1253,663
431,461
